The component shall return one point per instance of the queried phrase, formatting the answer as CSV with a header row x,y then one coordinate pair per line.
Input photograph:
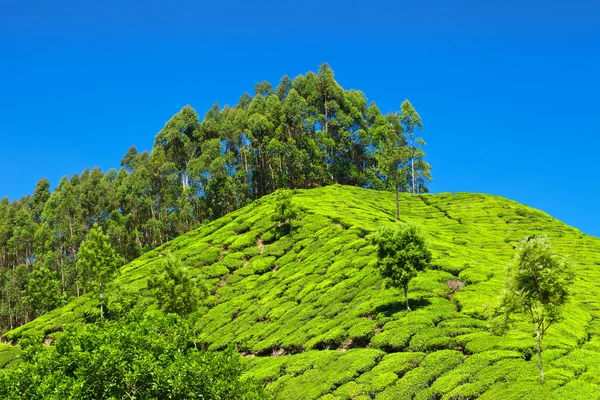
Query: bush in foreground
x,y
148,358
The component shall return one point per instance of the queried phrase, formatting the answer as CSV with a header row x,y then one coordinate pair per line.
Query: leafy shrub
x,y
150,357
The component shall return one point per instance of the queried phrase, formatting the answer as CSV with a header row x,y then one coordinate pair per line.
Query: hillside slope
x,y
309,311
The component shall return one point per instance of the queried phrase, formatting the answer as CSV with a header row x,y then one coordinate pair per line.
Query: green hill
x,y
310,314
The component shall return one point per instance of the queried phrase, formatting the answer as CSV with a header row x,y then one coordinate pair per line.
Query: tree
x,y
285,211
537,284
392,153
401,253
41,195
411,122
180,140
175,291
42,292
98,263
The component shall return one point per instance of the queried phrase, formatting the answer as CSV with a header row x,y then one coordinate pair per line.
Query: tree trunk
x,y
101,303
397,203
406,297
412,164
539,349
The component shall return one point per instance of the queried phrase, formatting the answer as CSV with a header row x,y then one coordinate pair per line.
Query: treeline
x,y
303,133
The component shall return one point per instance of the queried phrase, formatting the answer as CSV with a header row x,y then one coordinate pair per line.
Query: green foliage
x,y
9,356
42,292
401,254
285,211
97,261
538,284
174,289
149,357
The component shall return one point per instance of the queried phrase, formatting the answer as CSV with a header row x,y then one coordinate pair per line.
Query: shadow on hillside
x,y
397,306
283,230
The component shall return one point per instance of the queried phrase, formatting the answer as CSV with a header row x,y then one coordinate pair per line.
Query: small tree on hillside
x,y
285,211
174,289
401,254
537,284
98,263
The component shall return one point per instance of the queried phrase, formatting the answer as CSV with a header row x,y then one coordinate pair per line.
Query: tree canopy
x,y
401,254
537,284
98,263
175,290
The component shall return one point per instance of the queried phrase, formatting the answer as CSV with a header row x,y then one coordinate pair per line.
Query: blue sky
x,y
508,91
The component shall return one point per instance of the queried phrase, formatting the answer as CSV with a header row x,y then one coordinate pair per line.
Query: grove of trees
x,y
302,133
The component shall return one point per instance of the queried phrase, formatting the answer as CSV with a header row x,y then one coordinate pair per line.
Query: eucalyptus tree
x,y
412,124
391,152
296,158
180,139
41,194
263,89
327,101
283,88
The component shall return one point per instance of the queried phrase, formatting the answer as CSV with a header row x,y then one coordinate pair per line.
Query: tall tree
x,y
180,140
411,122
391,153
284,87
41,195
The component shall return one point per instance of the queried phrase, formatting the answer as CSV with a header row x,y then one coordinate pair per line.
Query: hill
x,y
308,310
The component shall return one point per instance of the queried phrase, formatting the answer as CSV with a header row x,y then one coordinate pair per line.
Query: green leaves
x,y
97,261
174,289
285,211
537,283
401,254
151,357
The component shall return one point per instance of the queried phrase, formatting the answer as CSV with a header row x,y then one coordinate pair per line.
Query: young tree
x,y
42,292
98,263
285,211
175,291
401,254
537,284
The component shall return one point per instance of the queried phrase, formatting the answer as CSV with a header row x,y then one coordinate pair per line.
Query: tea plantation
x,y
308,311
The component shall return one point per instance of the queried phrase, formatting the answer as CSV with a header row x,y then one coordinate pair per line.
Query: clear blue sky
x,y
508,90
